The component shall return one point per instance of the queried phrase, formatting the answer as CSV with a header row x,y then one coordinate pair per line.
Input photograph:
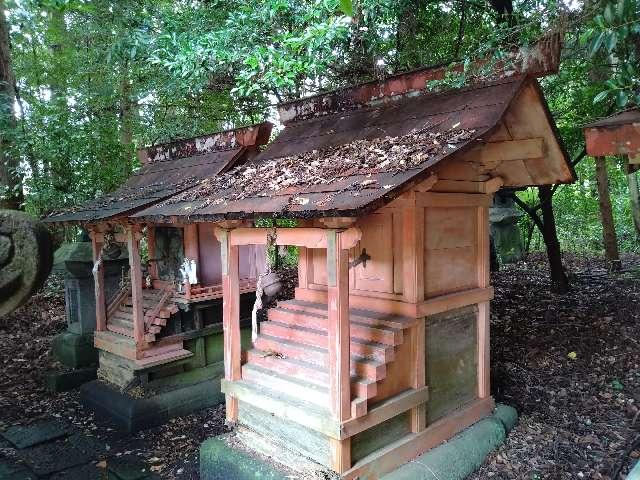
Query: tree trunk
x,y
11,195
559,281
606,215
634,197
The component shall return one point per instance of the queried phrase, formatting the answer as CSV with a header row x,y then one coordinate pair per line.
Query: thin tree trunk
x,y
559,281
606,215
634,197
11,195
547,226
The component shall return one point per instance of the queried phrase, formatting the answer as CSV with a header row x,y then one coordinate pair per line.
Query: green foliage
x,y
97,79
613,38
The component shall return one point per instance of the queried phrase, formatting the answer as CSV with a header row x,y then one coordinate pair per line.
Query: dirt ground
x,y
569,364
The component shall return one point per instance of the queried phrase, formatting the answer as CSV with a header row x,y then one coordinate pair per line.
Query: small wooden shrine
x,y
618,134
161,300
384,351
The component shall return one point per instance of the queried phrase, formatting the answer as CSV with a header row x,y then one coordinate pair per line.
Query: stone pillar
x,y
74,348
504,216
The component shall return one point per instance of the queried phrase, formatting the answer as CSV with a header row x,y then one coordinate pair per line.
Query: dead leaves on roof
x,y
365,157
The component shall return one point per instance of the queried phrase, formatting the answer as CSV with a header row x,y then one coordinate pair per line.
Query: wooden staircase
x,y
290,354
158,306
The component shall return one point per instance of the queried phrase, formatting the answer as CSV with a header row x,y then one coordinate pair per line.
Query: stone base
x,y
455,459
64,381
188,393
220,461
74,351
464,453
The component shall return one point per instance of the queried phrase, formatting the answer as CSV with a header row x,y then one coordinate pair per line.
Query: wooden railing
x,y
153,313
120,297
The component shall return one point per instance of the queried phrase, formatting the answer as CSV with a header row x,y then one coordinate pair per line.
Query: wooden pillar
x,y
191,248
230,317
606,214
413,224
98,283
483,328
133,245
339,344
151,248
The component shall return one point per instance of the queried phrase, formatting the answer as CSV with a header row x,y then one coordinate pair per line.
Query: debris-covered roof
x,y
625,117
168,169
351,161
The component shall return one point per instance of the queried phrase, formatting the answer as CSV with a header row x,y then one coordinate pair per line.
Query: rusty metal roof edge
x,y
132,211
196,137
372,105
610,120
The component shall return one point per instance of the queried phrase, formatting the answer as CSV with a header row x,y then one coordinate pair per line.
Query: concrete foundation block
x,y
132,414
463,454
507,415
74,351
455,459
219,461
65,381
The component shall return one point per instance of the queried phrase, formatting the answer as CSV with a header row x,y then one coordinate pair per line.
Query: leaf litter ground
x,y
569,363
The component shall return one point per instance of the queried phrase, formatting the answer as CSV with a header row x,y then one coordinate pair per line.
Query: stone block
x,y
74,351
219,461
68,380
28,436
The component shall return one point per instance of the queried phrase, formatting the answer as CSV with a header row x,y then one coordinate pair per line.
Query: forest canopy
x,y
89,82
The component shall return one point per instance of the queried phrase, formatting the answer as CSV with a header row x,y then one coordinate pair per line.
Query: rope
x,y
257,305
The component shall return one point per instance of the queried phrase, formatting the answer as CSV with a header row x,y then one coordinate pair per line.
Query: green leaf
x,y
608,13
601,96
622,98
346,6
617,385
612,40
596,43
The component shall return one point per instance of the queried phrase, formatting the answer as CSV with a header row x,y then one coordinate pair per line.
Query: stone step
x,y
368,317
284,406
318,338
379,334
309,373
364,367
286,384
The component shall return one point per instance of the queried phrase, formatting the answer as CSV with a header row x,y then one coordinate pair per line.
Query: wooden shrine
x,y
384,351
618,134
144,322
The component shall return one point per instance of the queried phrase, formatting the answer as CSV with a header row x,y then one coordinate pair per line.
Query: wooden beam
x,y
451,301
409,447
433,199
493,185
133,246
301,237
338,327
496,152
337,222
230,318
305,274
413,292
98,284
427,184
340,451
483,327
385,410
191,247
